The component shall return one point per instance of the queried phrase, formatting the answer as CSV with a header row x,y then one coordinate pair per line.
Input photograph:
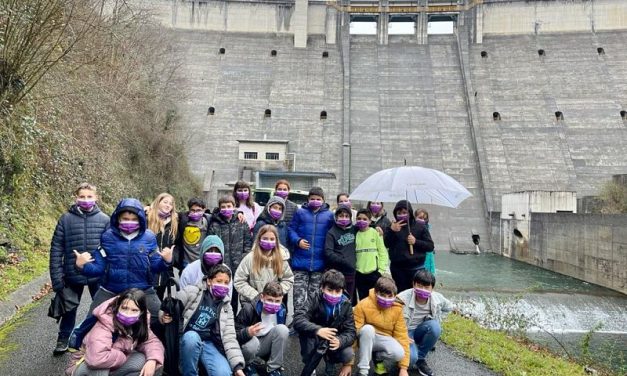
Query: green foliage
x,y
503,353
614,198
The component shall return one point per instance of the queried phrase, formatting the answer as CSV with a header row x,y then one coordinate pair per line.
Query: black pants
x,y
364,282
308,345
404,278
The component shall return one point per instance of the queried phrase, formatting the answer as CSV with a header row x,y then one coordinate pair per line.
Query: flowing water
x,y
554,309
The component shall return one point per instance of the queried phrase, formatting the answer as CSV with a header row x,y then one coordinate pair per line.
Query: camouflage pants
x,y
305,284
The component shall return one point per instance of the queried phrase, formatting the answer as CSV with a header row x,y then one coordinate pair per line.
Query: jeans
x,y
194,349
68,320
425,336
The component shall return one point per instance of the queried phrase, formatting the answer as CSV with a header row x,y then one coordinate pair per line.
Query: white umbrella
x,y
416,184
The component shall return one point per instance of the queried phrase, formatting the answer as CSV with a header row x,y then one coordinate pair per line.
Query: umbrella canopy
x,y
417,184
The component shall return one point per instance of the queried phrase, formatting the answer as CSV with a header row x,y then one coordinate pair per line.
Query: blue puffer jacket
x,y
312,227
76,230
123,263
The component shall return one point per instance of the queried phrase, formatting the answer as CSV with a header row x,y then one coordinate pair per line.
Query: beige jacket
x,y
250,285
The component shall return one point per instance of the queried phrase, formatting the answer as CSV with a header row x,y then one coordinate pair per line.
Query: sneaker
x,y
423,368
61,347
250,370
379,368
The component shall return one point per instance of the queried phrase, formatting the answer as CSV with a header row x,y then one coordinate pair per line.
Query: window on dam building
x,y
363,27
250,155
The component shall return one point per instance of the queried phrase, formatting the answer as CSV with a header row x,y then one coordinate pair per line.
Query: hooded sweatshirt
x,y
126,261
339,248
396,242
194,272
266,219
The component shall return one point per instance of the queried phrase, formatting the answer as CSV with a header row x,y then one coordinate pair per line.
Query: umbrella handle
x,y
411,249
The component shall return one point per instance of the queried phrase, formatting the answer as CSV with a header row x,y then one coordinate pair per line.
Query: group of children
x,y
237,265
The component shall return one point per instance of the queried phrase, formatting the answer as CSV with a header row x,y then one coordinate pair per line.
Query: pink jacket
x,y
101,353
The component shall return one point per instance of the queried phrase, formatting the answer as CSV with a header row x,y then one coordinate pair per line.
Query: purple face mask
x,y
194,216
275,214
271,308
421,293
375,208
242,195
128,227
346,203
228,213
212,258
315,204
332,299
267,245
282,194
126,320
86,205
402,217
164,215
361,224
219,291
385,302
420,220
343,222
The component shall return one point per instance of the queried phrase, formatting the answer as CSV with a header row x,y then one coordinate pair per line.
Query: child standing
x,y
163,221
261,330
121,342
194,225
403,233
423,311
339,249
78,229
208,327
371,255
379,219
245,203
381,329
325,323
212,250
268,262
235,235
272,214
422,216
282,189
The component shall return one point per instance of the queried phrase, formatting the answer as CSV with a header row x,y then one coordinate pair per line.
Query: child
x,y
381,328
379,219
423,311
272,214
325,323
308,232
78,229
121,342
128,257
266,263
422,216
339,249
343,199
405,231
244,203
212,250
282,189
194,226
163,221
261,330
371,255
235,235
208,327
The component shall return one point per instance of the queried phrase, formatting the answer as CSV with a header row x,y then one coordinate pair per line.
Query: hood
x,y
104,315
273,200
134,206
209,242
407,205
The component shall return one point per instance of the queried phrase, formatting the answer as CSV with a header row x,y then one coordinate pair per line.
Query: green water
x,y
491,272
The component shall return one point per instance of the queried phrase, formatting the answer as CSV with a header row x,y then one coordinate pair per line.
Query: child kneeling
x,y
261,330
381,329
120,342
423,311
325,325
208,327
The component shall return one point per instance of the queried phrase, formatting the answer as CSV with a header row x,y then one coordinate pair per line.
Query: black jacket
x,y
383,222
339,249
396,242
235,235
249,314
75,231
312,316
165,239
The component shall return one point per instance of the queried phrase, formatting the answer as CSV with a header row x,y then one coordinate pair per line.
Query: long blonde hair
x,y
155,223
275,258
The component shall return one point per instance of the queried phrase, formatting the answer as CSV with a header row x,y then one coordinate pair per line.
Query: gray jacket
x,y
249,285
440,306
191,296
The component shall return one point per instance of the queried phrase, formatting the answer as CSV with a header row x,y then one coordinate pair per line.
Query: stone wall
x,y
591,247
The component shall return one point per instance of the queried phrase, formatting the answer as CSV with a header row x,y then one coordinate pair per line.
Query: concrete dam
x,y
522,95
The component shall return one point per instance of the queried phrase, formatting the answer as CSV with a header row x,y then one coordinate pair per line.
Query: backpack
x,y
75,342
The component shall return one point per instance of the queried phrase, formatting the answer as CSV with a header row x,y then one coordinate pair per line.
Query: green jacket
x,y
371,252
